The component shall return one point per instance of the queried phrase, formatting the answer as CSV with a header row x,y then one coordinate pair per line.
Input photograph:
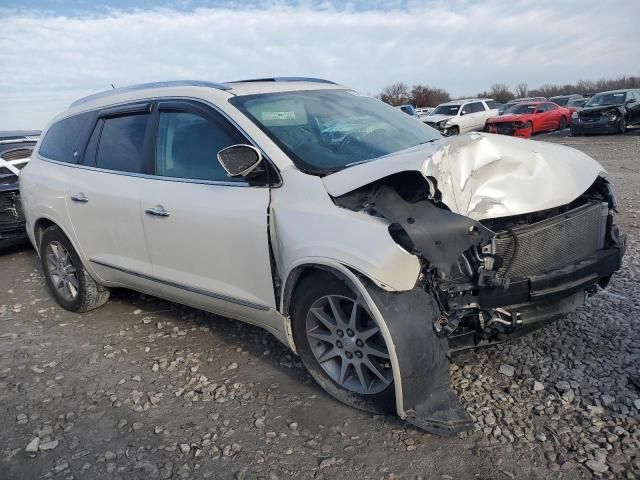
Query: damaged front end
x,y
482,281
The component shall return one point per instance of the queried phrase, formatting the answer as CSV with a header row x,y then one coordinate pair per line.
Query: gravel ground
x,y
143,388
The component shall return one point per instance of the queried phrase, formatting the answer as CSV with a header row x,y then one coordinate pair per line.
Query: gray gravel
x,y
142,388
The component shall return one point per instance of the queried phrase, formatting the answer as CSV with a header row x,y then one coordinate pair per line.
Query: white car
x,y
462,116
360,238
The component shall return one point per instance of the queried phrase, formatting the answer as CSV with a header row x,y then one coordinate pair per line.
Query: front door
x,y
206,232
103,196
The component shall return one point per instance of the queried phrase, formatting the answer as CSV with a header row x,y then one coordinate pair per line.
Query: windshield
x,y
578,103
520,108
324,131
562,101
601,99
446,110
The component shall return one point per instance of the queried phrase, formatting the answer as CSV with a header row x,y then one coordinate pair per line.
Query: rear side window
x,y
61,140
491,104
120,143
188,145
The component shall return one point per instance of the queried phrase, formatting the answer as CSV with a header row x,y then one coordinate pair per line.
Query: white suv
x,y
357,236
462,116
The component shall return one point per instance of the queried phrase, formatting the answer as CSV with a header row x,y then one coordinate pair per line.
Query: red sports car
x,y
525,119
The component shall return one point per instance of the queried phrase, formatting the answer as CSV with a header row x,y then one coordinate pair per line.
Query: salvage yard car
x,y
461,116
608,112
15,150
525,119
373,257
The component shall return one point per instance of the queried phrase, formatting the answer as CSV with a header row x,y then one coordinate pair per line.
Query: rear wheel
x,y
341,345
562,124
67,279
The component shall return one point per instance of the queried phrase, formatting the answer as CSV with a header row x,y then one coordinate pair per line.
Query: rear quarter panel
x,y
42,191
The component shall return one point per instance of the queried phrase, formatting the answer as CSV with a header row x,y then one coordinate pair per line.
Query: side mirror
x,y
239,160
463,112
631,100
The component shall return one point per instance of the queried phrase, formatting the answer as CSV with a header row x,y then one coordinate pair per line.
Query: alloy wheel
x,y
62,271
348,345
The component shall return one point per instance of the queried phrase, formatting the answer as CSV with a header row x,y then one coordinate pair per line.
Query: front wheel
x,y
453,131
67,279
562,124
622,125
341,344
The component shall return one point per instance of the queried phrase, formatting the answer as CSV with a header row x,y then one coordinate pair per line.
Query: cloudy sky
x,y
54,51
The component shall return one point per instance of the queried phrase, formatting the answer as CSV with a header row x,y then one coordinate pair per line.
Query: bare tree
x,y
424,96
396,94
522,90
500,93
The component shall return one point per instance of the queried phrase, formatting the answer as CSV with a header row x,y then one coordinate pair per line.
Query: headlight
x,y
574,115
442,123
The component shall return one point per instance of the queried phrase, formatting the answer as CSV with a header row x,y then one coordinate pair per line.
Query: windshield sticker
x,y
278,116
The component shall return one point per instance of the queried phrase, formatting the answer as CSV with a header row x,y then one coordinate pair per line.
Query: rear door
x,y
478,115
103,194
206,232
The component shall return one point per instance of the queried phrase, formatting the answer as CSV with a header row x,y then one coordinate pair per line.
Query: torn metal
x,y
488,277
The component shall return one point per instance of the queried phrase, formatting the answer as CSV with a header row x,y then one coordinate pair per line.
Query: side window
x,y
491,104
543,107
120,143
188,145
550,106
60,141
477,107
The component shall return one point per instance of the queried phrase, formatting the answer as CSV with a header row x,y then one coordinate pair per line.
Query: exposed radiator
x,y
553,243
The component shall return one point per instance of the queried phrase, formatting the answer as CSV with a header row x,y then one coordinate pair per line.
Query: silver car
x,y
362,239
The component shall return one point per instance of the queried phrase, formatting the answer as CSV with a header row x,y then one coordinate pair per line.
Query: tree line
x,y
424,96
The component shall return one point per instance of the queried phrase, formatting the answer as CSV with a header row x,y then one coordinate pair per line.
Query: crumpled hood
x,y
512,117
484,176
602,108
437,118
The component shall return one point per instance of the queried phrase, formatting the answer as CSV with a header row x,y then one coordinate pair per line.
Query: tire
x,y
67,279
455,130
622,126
562,124
313,340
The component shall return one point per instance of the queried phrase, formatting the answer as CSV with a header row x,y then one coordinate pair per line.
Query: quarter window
x,y
188,146
60,141
120,144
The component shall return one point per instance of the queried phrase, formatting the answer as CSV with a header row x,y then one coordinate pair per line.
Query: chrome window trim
x,y
199,291
173,179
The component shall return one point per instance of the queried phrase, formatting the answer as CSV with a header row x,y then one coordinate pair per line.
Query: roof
x,y
238,87
466,100
18,134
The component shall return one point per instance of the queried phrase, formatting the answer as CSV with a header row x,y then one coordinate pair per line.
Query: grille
x,y
554,243
505,128
17,154
10,208
590,117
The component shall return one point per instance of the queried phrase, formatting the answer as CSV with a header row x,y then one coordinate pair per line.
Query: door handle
x,y
157,211
80,198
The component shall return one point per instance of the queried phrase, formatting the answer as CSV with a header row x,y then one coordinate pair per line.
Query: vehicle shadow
x,y
13,249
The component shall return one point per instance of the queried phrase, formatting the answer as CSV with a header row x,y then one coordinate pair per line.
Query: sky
x,y
55,51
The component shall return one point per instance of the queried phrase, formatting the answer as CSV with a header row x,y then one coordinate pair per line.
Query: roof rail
x,y
144,86
285,79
